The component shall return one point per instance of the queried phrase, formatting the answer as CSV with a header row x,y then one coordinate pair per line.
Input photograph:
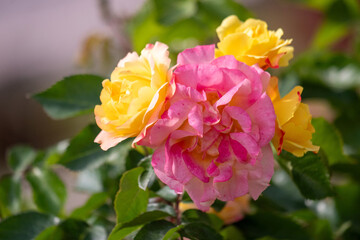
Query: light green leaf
x,y
231,232
173,234
328,138
72,96
94,202
25,226
49,191
19,158
154,231
130,200
167,193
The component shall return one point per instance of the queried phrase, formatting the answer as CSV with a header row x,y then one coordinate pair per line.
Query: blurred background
x,y
41,42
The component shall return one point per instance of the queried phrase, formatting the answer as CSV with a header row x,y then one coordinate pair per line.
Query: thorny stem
x,y
178,212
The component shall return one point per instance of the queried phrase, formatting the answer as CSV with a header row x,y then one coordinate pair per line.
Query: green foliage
x,y
25,226
72,96
10,195
49,191
310,175
312,197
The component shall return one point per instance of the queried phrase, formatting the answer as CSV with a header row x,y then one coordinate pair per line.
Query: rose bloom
x,y
251,42
213,139
132,100
293,130
233,211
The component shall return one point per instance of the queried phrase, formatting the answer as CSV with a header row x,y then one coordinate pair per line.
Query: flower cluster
x,y
212,117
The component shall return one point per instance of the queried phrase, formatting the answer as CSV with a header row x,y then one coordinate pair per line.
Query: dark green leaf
x,y
131,200
10,193
271,224
173,234
145,218
148,177
133,159
200,231
154,230
197,216
218,205
19,158
94,202
25,226
82,152
310,175
72,96
328,138
47,234
70,229
49,191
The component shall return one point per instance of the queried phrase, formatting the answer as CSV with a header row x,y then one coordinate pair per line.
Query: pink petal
x,y
263,115
107,141
237,186
197,55
248,143
201,193
196,119
195,168
241,116
266,167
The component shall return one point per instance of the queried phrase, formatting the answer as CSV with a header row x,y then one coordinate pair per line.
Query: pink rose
x,y
213,139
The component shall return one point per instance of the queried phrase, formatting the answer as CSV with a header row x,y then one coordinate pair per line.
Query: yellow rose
x,y
133,97
293,131
251,42
233,211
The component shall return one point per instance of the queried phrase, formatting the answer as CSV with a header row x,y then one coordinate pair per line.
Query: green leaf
x,y
10,195
163,207
117,234
328,138
321,230
200,231
329,33
173,234
94,202
133,159
72,96
145,218
19,158
310,175
82,152
154,230
148,177
170,12
25,226
130,200
167,193
49,191
70,229
271,224
231,232
46,234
